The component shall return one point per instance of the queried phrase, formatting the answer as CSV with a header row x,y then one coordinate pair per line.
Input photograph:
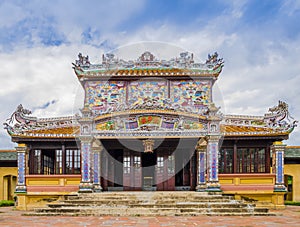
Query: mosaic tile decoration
x,y
279,168
21,168
202,167
104,95
194,93
96,168
86,160
138,91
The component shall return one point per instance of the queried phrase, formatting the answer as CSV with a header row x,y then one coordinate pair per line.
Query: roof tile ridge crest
x,y
228,116
45,119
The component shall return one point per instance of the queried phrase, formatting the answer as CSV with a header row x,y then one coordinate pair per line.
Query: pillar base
x,y
213,187
21,189
85,187
97,188
280,188
201,188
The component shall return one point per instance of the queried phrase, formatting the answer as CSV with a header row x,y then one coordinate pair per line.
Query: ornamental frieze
x,y
150,122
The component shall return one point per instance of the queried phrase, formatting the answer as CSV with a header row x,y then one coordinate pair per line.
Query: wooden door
x,y
165,172
132,171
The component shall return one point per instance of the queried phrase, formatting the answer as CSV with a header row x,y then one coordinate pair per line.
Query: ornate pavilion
x,y
150,124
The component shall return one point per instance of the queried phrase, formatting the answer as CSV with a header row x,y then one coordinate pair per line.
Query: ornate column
x,y
212,153
86,148
201,166
278,165
213,163
86,139
21,152
97,168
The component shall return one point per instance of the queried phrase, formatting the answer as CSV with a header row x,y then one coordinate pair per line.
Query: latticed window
x,y
59,162
171,164
137,161
54,162
226,160
160,164
37,161
126,164
72,161
245,160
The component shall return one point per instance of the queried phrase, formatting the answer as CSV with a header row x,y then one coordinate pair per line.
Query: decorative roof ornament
x,y
82,60
21,123
148,61
19,120
280,118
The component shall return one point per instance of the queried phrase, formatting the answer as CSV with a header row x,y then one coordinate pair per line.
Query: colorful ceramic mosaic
x,y
213,150
163,122
105,95
85,162
143,90
280,174
190,93
21,168
202,167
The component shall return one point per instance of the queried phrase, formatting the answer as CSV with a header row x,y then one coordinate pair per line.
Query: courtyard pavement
x,y
289,217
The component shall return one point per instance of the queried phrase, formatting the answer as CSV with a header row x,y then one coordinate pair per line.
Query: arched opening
x,y
9,185
288,181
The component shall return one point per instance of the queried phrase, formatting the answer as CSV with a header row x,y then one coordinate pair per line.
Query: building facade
x,y
150,124
8,174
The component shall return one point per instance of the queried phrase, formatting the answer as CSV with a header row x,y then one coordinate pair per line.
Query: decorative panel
x,y
105,96
193,93
141,91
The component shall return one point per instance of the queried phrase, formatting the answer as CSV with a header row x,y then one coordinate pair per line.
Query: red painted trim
x,y
247,187
54,176
52,188
250,175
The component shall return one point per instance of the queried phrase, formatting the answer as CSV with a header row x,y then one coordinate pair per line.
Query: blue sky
x,y
258,39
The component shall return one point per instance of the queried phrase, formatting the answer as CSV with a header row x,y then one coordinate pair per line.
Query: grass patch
x,y
292,203
6,203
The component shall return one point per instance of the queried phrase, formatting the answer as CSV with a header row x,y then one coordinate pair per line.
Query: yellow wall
x,y
294,170
8,180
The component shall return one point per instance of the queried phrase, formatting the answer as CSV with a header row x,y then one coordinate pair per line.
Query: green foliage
x,y
292,203
6,203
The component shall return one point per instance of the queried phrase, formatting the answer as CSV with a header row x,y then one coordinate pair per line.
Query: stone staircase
x,y
149,204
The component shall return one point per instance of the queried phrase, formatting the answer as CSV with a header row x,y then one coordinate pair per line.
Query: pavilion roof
x,y
277,122
148,66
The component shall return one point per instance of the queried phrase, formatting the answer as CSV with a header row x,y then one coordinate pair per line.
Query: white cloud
x,y
259,68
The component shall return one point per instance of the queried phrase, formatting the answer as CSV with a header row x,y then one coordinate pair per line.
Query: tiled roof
x,y
148,72
65,132
228,130
8,155
292,152
241,130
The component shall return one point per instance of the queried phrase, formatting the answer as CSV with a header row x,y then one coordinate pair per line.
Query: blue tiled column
x,y
278,165
201,168
213,163
21,184
86,152
97,168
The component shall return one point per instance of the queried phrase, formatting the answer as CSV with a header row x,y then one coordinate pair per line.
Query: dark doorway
x,y
148,163
117,167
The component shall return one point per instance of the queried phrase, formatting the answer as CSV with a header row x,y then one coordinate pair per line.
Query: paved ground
x,y
289,217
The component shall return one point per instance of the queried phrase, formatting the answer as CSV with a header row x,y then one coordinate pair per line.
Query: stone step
x,y
152,205
149,204
152,212
147,200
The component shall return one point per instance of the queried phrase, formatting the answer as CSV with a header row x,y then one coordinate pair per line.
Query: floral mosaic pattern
x,y
105,95
191,93
139,91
